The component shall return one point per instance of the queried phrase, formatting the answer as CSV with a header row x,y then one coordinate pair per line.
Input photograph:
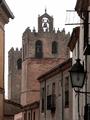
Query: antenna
x,y
72,18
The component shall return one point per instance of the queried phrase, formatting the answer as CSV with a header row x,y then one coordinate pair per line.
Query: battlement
x,y
17,50
45,27
28,32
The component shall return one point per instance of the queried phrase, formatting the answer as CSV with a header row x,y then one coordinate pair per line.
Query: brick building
x,y
41,51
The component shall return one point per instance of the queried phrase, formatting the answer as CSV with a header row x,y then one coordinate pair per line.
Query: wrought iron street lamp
x,y
77,74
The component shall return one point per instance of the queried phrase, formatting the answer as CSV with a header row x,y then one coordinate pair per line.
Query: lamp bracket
x,y
83,92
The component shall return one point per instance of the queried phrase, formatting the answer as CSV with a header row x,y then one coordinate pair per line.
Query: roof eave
x,y
55,70
74,38
7,10
81,7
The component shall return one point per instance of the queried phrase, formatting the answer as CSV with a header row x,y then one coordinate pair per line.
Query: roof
x,y
33,105
81,6
6,8
74,37
12,102
61,67
11,108
46,15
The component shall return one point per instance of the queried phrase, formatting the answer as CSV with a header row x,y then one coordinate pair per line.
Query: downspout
x,y
78,52
86,80
87,36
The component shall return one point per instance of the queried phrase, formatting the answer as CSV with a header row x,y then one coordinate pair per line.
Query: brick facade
x,y
38,56
41,51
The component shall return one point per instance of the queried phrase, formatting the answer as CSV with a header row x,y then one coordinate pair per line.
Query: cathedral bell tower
x,y
41,51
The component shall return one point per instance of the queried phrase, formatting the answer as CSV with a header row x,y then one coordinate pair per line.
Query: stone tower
x,y
41,50
14,74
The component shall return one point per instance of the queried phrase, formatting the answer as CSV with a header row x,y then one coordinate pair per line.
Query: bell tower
x,y
45,23
41,50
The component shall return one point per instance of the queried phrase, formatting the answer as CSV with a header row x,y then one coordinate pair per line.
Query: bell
x,y
45,25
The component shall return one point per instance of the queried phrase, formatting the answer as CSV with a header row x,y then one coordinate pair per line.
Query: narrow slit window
x,y
38,49
54,47
19,63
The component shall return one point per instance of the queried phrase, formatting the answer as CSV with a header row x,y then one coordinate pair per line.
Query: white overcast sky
x,y
26,13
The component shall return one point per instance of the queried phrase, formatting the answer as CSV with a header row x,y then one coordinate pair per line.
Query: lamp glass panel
x,y
77,79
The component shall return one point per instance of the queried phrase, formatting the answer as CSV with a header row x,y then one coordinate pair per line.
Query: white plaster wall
x,y
58,111
88,62
59,81
82,57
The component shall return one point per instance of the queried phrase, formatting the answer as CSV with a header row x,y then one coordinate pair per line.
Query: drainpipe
x,y
88,41
86,81
78,97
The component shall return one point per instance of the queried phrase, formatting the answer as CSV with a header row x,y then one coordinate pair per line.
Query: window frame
x,y
54,47
38,49
66,92
19,64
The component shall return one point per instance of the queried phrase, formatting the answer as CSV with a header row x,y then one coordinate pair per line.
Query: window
x,y
48,90
53,99
38,49
49,102
54,47
25,116
19,63
53,88
48,98
59,88
43,101
28,115
66,92
34,116
66,98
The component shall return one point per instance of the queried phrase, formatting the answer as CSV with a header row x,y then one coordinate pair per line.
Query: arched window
x,y
19,63
54,47
38,49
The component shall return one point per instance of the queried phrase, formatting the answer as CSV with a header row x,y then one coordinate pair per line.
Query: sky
x,y
26,13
